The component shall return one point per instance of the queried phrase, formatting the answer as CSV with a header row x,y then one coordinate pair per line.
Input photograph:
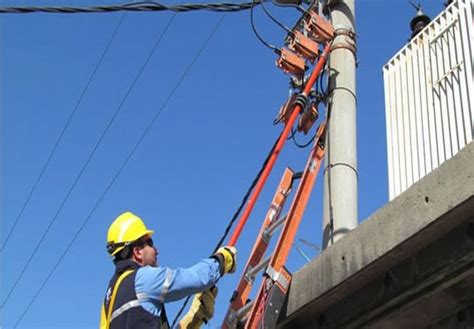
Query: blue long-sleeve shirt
x,y
157,285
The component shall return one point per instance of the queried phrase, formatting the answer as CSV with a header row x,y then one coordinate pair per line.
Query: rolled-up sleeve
x,y
165,284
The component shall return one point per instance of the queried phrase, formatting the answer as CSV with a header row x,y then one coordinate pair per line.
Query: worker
x,y
139,288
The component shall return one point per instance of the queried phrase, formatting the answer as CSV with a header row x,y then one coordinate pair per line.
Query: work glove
x,y
227,257
201,311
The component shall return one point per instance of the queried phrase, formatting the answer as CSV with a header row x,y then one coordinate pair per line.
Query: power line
x,y
68,121
275,20
252,23
134,6
91,155
129,156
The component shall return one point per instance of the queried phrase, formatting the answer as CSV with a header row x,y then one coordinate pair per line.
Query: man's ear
x,y
137,253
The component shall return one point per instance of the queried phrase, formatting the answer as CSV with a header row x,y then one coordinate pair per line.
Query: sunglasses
x,y
148,242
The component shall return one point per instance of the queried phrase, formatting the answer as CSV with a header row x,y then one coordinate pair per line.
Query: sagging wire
x,y
293,132
289,5
266,44
320,95
321,82
276,21
305,145
297,5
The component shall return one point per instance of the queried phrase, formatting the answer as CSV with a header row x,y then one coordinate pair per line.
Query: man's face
x,y
148,253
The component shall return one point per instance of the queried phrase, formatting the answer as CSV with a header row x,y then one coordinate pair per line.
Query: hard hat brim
x,y
147,232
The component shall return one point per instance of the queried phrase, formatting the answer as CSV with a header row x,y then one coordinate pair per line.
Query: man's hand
x,y
227,257
201,311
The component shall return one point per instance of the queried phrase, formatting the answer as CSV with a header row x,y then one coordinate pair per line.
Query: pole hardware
x,y
304,46
348,42
290,62
285,110
308,118
280,277
320,27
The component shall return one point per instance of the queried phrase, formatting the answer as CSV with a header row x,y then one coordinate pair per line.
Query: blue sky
x,y
188,174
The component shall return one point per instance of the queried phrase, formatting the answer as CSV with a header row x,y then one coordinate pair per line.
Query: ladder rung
x,y
268,232
252,272
244,310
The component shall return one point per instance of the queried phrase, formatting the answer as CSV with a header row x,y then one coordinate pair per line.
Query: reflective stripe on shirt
x,y
166,284
125,307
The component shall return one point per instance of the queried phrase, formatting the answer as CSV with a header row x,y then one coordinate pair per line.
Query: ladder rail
x,y
254,263
276,275
300,201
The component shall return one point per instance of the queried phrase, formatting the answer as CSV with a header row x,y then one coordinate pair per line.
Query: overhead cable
x,y
266,44
91,155
302,146
119,171
66,125
146,6
275,20
292,4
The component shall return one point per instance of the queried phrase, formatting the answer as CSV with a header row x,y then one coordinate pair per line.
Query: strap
x,y
125,307
133,303
164,319
114,294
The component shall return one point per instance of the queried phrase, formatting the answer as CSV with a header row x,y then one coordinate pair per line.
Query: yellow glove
x,y
201,311
227,258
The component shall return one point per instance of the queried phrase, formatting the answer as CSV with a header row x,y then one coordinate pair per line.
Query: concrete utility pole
x,y
340,175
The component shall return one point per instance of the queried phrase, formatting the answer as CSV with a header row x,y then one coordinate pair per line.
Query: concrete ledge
x,y
429,216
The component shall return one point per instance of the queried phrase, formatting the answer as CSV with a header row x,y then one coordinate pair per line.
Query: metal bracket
x,y
274,211
273,305
232,319
277,277
350,44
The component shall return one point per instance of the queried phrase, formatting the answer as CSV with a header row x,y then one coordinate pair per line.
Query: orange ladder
x,y
264,311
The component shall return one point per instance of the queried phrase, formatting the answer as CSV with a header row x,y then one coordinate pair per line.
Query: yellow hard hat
x,y
124,230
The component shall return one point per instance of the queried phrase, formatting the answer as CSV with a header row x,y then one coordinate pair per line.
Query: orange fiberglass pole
x,y
281,141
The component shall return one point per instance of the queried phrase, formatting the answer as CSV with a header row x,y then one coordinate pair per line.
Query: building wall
x,y
429,97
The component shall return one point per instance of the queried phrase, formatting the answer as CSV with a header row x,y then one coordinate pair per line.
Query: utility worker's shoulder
x,y
153,280
150,275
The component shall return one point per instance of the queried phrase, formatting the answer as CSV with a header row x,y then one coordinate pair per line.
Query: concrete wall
x,y
433,217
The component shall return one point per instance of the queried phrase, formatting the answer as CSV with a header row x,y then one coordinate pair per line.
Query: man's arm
x,y
165,284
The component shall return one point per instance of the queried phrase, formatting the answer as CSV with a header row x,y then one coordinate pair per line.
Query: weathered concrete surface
x,y
410,265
